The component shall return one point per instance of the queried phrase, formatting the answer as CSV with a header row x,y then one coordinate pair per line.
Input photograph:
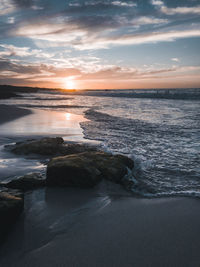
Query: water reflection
x,y
43,122
68,116
12,166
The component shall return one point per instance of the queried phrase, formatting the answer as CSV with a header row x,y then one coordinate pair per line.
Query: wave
x,y
176,94
50,99
52,106
161,167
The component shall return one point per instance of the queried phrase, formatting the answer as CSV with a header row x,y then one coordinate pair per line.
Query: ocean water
x,y
162,135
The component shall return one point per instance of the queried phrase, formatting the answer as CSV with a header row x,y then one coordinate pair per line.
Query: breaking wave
x,y
166,156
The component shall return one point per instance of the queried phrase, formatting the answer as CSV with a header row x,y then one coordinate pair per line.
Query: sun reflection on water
x,y
68,116
43,122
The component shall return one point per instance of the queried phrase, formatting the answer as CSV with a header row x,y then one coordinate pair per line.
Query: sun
x,y
69,84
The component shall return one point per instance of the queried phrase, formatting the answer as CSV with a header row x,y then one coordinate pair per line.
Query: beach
x,y
9,113
99,133
73,227
104,226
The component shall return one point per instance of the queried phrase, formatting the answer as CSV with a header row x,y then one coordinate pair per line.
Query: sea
x,y
158,129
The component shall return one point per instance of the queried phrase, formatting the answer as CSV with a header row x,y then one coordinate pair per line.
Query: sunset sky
x,y
100,44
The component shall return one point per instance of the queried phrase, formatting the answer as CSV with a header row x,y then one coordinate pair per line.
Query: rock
x,y
87,169
72,170
11,206
76,148
48,147
44,146
27,182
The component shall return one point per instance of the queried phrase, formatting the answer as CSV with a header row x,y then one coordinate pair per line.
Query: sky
x,y
107,44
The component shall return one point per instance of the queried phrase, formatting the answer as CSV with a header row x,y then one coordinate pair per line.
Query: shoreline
x,y
10,113
15,124
19,124
104,226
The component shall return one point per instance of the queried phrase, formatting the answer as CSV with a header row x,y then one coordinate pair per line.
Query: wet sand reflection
x,y
43,122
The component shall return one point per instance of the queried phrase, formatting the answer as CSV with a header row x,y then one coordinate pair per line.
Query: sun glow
x,y
68,116
69,84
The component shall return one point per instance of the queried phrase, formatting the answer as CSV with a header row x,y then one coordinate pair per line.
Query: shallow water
x,y
62,225
161,135
43,122
12,166
38,124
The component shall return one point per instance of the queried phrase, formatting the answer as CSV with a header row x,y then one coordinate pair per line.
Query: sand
x,y
74,227
9,113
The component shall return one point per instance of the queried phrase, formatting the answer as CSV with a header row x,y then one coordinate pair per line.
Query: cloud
x,y
14,51
124,4
34,7
11,68
7,65
148,20
96,32
10,6
54,75
157,2
11,20
92,5
177,10
136,39
74,4
10,50
88,25
98,7
83,26
123,73
180,10
16,69
6,7
175,59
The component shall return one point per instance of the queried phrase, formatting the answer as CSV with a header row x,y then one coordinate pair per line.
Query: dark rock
x,y
48,147
76,148
27,182
44,146
11,206
87,169
72,170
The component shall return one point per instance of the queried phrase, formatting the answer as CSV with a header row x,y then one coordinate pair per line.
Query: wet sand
x,y
40,123
16,126
9,113
74,227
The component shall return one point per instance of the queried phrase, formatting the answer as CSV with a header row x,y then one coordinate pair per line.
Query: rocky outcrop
x,y
27,182
11,206
44,146
87,169
48,147
75,165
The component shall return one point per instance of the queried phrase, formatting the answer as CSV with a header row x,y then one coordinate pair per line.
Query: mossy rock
x,y
87,169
